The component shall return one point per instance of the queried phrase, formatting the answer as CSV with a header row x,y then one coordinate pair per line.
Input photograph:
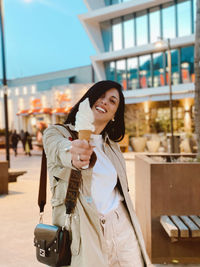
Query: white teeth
x,y
101,109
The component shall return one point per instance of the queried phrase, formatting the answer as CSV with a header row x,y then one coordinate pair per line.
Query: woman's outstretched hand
x,y
81,152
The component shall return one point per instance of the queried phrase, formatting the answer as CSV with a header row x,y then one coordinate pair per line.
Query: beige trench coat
x,y
88,244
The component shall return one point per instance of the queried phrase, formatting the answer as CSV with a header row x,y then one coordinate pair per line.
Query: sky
x,y
44,36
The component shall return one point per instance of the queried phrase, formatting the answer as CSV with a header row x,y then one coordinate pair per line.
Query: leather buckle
x,y
42,252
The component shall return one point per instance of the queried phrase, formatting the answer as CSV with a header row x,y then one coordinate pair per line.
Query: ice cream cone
x,y
84,135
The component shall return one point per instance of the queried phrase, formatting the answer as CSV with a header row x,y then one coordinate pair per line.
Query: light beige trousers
x,y
122,246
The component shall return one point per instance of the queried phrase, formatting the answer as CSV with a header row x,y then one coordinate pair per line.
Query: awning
x,y
24,112
36,111
46,110
61,111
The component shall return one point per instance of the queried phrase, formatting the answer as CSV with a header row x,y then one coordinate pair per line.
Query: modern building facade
x,y
124,34
36,101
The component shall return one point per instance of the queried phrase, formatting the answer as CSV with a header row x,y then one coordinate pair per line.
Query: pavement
x,y
19,212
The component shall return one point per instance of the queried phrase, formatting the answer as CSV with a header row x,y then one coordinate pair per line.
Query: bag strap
x,y
73,186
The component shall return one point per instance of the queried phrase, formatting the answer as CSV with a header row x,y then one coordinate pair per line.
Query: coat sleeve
x,y
56,145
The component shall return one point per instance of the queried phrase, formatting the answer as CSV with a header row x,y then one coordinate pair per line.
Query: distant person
x,y
15,139
28,143
22,138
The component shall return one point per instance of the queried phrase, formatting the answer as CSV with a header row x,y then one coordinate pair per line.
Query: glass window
x,y
175,79
117,34
187,64
132,73
184,17
158,70
121,73
141,28
145,71
113,2
194,12
106,31
110,70
128,31
168,16
175,67
107,2
154,19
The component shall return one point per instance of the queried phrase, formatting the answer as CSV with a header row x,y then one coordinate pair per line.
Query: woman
x,y
105,230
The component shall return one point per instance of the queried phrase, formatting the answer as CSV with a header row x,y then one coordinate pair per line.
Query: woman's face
x,y
105,107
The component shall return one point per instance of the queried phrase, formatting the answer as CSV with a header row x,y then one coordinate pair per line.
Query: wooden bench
x,y
13,174
181,226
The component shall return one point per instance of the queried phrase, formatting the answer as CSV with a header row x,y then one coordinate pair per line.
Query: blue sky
x,y
43,36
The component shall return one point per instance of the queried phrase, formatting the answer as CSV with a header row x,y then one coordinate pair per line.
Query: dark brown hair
x,y
114,129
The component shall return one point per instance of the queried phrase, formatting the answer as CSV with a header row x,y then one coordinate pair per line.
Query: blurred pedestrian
x,y
15,139
28,143
22,138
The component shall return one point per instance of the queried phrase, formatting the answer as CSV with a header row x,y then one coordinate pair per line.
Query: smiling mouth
x,y
101,109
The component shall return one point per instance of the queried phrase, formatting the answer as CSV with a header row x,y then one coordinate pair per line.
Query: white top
x,y
104,179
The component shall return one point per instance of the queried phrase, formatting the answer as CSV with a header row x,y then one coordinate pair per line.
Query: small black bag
x,y
53,242
52,245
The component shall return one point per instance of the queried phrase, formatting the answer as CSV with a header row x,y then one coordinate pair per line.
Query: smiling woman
x,y
104,218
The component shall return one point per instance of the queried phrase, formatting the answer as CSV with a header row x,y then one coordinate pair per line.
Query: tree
x,y
197,79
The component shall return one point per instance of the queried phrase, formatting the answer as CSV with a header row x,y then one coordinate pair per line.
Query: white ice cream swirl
x,y
84,117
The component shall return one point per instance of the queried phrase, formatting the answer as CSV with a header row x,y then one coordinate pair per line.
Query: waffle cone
x,y
84,135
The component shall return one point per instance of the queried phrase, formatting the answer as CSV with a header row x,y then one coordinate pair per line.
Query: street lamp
x,y
5,86
160,44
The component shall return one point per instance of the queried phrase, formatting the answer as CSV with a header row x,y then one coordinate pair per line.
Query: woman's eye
x,y
112,101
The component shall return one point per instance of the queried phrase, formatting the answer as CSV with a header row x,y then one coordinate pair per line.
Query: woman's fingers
x,y
80,152
81,147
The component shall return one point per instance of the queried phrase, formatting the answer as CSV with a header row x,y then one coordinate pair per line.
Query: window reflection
x,y
141,28
154,19
132,73
106,32
194,13
110,70
168,13
128,31
175,69
187,64
121,73
107,2
112,35
184,17
113,2
158,70
136,72
145,71
117,34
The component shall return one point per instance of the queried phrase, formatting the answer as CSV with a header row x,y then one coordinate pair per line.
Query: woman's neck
x,y
99,128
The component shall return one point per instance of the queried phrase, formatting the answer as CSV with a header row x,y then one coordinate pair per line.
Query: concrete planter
x,y
167,188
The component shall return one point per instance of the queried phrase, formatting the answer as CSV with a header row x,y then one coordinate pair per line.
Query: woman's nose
x,y
104,101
